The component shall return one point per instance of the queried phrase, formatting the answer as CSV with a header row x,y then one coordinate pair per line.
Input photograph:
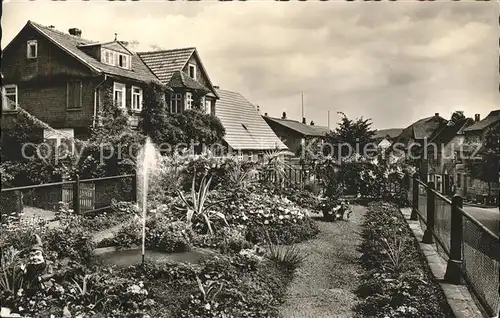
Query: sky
x,y
393,62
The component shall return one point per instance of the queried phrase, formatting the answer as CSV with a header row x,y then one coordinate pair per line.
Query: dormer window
x,y
192,71
113,58
32,49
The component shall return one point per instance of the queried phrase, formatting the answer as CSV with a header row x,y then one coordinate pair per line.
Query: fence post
x,y
415,196
453,273
134,187
76,195
431,207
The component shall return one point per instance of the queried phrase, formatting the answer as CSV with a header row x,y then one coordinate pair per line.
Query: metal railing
x,y
81,195
471,249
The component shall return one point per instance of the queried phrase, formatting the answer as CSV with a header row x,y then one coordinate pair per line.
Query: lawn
x,y
325,285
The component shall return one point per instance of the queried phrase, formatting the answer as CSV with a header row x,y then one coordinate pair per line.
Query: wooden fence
x,y
83,196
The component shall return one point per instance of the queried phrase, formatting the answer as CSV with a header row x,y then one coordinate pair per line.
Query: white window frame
x,y
5,87
240,155
133,95
67,94
28,45
250,156
208,106
120,87
176,100
191,65
6,96
189,101
127,60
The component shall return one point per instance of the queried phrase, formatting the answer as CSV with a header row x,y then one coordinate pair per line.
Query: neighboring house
x,y
183,71
246,132
471,187
441,154
294,133
60,77
414,137
385,137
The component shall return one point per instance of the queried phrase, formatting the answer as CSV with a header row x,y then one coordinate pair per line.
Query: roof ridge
x,y
62,33
168,50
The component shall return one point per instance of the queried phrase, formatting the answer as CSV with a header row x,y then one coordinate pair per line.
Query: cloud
x,y
392,62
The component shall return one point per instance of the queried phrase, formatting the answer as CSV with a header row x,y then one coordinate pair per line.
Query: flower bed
x,y
398,282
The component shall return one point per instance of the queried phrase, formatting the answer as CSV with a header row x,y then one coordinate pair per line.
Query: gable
x,y
51,60
201,74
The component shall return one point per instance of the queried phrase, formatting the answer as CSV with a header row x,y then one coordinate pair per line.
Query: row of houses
x,y
444,150
60,78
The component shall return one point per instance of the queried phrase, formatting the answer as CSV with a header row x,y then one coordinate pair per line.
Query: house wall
x,y
200,78
42,82
291,138
50,63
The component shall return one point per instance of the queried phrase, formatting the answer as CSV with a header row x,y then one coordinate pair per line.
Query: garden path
x,y
324,286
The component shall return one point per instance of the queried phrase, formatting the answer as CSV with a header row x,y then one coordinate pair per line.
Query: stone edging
x,y
458,296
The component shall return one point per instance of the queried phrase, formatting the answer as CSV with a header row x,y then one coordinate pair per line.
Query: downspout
x,y
95,99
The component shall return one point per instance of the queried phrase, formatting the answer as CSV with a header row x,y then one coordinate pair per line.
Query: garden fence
x,y
83,196
471,249
300,176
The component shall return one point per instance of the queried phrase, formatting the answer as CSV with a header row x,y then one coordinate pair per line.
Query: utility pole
x,y
328,120
302,94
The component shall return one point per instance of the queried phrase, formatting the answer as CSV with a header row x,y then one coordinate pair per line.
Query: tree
x,y
458,117
354,134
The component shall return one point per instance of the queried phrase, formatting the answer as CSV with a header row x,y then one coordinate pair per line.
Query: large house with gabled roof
x,y
60,77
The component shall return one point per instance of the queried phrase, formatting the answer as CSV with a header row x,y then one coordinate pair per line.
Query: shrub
x,y
398,282
288,257
162,234
286,232
166,236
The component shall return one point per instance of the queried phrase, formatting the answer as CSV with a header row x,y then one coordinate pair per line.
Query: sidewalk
x,y
324,286
458,296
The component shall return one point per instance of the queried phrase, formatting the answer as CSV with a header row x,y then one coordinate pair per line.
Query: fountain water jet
x,y
146,163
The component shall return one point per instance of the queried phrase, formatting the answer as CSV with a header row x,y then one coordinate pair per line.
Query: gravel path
x,y
324,285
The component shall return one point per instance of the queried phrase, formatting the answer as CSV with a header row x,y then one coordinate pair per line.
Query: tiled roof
x,y
493,117
165,63
392,133
70,43
181,80
421,129
449,131
245,128
306,130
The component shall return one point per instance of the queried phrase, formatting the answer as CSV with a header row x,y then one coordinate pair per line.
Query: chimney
x,y
477,117
304,120
283,116
312,123
75,32
265,114
436,114
216,87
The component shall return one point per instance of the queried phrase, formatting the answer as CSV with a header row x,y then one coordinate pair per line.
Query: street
x,y
489,217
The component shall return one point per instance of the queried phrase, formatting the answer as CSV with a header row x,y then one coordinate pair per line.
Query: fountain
x,y
147,165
